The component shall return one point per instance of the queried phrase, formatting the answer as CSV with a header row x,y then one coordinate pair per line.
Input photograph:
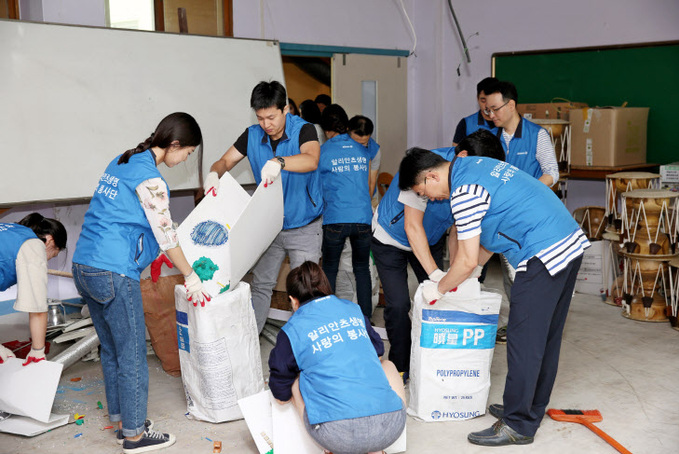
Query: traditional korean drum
x,y
592,221
650,213
614,290
618,183
673,297
645,283
560,134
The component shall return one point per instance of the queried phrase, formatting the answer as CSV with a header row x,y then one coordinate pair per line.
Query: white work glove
x,y
436,275
35,356
5,353
270,172
194,290
477,272
430,292
211,183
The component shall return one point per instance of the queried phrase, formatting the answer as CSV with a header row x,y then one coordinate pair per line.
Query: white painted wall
x,y
76,12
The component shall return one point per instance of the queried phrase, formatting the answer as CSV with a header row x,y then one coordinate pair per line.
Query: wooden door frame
x,y
227,8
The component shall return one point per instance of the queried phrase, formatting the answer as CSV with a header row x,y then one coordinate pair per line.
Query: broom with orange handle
x,y
586,418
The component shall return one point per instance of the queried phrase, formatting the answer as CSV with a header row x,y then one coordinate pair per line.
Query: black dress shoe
x,y
499,434
497,410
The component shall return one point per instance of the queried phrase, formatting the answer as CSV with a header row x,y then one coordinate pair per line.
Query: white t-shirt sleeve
x,y
413,200
31,268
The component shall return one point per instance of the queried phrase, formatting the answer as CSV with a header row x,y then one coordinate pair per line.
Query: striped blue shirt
x,y
469,204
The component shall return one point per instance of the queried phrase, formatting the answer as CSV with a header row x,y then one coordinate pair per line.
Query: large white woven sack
x,y
219,353
452,350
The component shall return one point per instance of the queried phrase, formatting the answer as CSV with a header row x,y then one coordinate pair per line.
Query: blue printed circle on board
x,y
209,233
436,414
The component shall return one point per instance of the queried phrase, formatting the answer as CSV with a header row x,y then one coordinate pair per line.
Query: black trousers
x,y
537,315
392,268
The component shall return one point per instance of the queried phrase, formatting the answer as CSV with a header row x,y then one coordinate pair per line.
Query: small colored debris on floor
x,y
107,427
79,419
99,405
76,378
206,438
217,446
77,435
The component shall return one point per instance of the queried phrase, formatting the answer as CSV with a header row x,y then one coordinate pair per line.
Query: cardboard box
x,y
669,173
608,136
549,110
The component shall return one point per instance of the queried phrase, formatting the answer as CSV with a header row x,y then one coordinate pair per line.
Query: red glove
x,y
157,264
35,356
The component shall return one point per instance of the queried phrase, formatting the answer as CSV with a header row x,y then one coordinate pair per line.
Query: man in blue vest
x,y
279,145
527,145
477,120
409,229
498,208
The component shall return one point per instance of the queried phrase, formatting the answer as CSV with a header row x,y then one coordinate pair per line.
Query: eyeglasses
x,y
490,110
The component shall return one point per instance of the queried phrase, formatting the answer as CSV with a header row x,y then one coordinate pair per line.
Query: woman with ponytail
x,y
326,360
25,248
128,222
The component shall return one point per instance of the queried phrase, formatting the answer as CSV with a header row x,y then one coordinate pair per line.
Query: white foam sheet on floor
x,y
282,425
29,427
250,223
29,390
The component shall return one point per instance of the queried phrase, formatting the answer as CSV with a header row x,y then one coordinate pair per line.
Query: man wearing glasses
x,y
526,144
528,147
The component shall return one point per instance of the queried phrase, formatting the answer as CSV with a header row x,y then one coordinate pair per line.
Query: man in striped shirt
x,y
498,208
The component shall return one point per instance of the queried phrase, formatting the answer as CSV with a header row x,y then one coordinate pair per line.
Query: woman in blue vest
x,y
25,248
326,360
344,167
126,225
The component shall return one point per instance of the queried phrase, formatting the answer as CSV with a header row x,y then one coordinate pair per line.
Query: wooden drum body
x,y
619,183
592,221
650,216
645,284
560,133
673,297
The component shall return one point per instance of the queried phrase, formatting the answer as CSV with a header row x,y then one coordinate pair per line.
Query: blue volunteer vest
x,y
523,147
12,237
344,170
524,216
302,193
437,216
475,121
340,374
116,236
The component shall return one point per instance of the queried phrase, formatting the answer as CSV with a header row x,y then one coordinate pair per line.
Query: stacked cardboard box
x,y
608,136
549,110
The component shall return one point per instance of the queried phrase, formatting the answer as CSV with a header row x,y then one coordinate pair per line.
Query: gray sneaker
x,y
149,441
148,424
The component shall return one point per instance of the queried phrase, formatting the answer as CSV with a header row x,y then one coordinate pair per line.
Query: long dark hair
x,y
335,119
307,282
178,126
43,226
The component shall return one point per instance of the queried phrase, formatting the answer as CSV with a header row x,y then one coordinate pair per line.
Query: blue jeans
x,y
116,308
334,237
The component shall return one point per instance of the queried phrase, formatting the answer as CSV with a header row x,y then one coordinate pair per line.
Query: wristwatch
x,y
282,162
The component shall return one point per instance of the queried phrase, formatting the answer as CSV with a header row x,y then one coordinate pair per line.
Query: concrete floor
x,y
627,370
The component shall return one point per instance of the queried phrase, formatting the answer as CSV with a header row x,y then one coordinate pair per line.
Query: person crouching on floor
x,y
327,361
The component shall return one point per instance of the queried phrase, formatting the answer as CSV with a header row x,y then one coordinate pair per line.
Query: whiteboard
x,y
72,98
